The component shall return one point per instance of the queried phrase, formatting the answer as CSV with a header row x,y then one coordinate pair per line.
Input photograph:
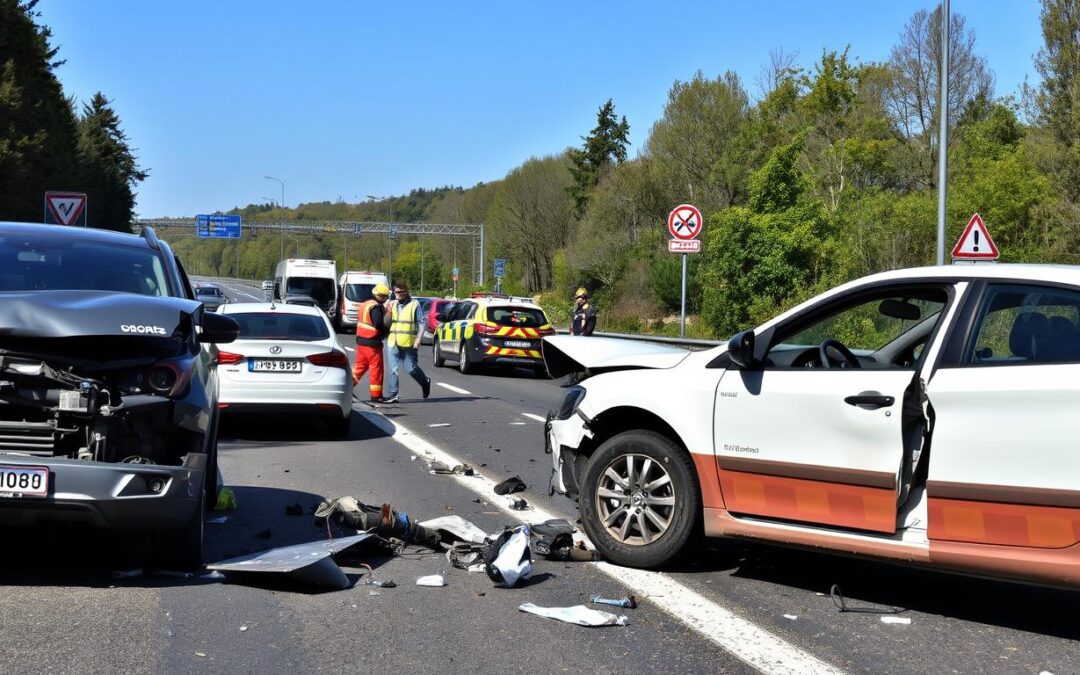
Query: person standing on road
x,y
583,318
371,330
406,326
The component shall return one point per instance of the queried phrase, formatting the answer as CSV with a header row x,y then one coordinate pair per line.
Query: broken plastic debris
x,y
509,558
460,469
578,614
431,580
902,620
310,563
791,616
243,629
457,527
519,504
629,602
511,485
383,584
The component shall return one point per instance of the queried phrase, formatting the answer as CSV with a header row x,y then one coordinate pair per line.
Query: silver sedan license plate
x,y
24,481
274,365
519,344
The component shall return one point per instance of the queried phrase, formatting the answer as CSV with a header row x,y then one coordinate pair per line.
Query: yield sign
x,y
684,222
975,243
65,208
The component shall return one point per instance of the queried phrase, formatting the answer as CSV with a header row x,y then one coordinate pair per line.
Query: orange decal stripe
x,y
1003,524
865,508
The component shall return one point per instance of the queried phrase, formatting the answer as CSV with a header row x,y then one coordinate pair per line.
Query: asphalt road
x,y
62,610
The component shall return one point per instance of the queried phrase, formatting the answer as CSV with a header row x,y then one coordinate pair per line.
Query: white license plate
x,y
274,365
520,344
24,481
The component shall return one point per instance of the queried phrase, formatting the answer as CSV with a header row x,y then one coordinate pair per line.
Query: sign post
x,y
684,224
455,272
500,272
975,244
217,227
65,208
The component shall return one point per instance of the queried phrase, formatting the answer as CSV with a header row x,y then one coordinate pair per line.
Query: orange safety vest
x,y
364,327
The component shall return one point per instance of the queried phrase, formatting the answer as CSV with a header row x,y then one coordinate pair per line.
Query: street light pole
x,y
282,205
389,241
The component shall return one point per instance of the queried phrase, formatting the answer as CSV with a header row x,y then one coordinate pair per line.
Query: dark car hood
x,y
60,314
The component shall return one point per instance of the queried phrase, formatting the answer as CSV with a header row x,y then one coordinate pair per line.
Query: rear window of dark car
x,y
318,288
208,290
28,263
270,326
522,317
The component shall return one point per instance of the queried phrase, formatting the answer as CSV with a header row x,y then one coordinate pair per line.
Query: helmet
x,y
380,289
581,292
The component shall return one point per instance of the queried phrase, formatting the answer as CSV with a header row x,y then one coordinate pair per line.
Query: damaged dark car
x,y
108,399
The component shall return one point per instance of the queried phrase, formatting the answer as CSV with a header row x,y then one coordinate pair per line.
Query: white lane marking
x,y
534,417
752,644
454,389
440,424
517,424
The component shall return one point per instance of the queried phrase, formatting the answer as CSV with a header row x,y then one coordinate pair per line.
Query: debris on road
x,y
508,559
382,584
457,469
840,602
309,563
793,617
380,520
457,527
511,485
243,629
578,614
902,620
553,538
440,424
431,580
629,602
519,504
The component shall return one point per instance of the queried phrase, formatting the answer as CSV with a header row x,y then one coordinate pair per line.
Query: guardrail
x,y
689,343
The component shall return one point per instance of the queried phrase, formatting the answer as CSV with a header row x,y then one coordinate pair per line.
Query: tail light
x,y
228,358
484,329
334,359
546,331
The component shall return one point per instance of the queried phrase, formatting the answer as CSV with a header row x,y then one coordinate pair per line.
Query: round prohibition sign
x,y
684,222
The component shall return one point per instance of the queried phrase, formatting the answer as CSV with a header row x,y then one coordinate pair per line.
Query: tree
x,y
1058,99
604,147
916,62
531,217
37,124
109,167
696,147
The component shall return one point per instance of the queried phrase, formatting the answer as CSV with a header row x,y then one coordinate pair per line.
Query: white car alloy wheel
x,y
640,500
436,358
463,359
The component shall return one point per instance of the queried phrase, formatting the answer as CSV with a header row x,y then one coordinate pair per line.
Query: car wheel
x,y
640,500
436,358
180,548
339,428
464,365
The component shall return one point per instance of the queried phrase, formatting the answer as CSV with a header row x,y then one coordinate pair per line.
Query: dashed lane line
x,y
456,390
531,416
745,640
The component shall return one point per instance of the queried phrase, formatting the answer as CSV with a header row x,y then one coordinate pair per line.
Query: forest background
x,y
810,176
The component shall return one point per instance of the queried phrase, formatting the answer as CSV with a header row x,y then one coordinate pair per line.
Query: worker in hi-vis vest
x,y
371,330
406,326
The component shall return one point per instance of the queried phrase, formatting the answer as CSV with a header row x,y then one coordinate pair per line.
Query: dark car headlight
x,y
574,397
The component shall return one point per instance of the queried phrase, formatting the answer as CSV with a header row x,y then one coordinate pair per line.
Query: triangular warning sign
x,y
975,243
66,208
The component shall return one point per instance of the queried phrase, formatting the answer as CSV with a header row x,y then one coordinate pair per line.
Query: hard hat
x,y
581,292
380,289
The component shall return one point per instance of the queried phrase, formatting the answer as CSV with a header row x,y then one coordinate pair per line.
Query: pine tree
x,y
605,146
37,124
109,167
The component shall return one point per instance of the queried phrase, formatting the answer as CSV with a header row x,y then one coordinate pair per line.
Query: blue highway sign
x,y
500,268
218,227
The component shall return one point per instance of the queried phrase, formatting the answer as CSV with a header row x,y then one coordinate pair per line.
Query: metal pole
x,y
389,253
682,313
481,254
282,210
421,258
943,135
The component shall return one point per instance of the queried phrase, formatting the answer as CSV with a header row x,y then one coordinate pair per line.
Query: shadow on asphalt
x,y
278,429
889,588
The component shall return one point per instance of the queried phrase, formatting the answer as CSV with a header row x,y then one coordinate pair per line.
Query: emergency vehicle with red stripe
x,y
492,330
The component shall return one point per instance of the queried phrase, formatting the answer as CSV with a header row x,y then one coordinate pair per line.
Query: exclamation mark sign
x,y
976,233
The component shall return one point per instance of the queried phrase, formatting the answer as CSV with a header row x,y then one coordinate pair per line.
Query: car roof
x,y
505,302
64,232
263,307
1025,271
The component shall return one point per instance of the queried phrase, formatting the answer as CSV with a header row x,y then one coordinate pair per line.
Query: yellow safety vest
x,y
403,324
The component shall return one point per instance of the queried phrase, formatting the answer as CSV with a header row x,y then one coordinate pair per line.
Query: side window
x,y
883,330
1026,324
472,310
188,291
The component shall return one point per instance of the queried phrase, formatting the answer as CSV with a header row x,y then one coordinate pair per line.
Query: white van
x,y
355,288
308,282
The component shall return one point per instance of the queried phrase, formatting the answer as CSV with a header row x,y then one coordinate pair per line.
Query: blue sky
x,y
347,99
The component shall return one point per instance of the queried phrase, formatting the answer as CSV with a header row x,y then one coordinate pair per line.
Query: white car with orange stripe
x,y
928,416
491,330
